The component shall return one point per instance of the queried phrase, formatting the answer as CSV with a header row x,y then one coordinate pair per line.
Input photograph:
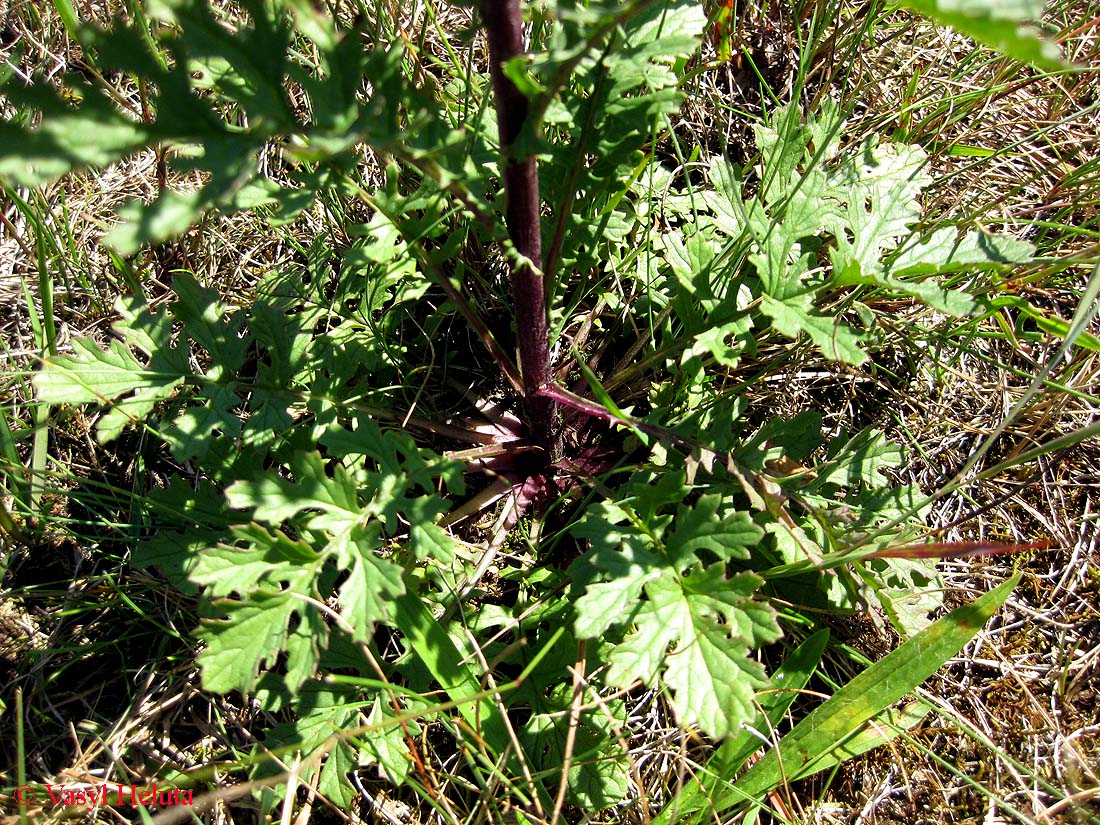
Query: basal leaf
x,y
169,215
879,185
211,325
599,769
241,637
861,460
94,375
945,249
261,558
387,746
373,582
725,342
92,134
612,602
277,499
192,432
322,713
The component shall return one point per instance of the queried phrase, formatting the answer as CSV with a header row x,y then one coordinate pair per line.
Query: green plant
x,y
317,528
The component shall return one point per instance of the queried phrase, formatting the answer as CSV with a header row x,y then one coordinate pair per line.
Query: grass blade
x,y
824,737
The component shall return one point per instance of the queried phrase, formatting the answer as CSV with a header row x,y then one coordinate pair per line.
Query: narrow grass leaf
x,y
812,745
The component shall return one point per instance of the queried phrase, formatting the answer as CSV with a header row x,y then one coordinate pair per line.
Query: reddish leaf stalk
x,y
955,549
503,21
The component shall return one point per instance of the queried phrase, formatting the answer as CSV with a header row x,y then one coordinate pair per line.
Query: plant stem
x,y
503,23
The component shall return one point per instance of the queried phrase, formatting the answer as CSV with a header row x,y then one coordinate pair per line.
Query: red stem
x,y
503,23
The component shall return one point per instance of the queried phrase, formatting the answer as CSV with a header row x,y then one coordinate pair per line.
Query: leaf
x,y
191,434
94,134
714,341
599,769
322,713
819,740
613,602
879,186
944,249
93,375
998,24
262,559
726,536
241,637
448,663
860,460
386,746
710,623
788,681
275,499
372,582
794,315
211,325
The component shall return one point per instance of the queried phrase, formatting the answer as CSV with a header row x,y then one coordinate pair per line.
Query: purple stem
x,y
503,23
590,408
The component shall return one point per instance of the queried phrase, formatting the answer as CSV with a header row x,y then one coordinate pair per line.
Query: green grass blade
x,y
812,745
889,724
447,664
67,12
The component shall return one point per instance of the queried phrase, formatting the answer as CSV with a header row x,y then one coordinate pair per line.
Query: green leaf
x,y
714,341
820,739
262,559
387,746
322,713
372,582
191,434
788,681
701,528
860,460
211,325
243,636
94,375
275,499
879,186
68,138
613,602
448,662
795,315
599,769
944,249
710,623
998,24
